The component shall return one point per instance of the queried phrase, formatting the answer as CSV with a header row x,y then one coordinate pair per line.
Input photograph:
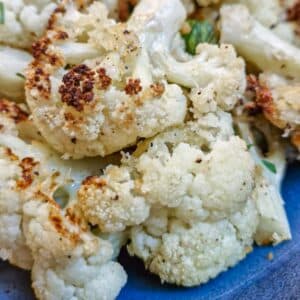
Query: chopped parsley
x,y
270,166
2,13
249,146
195,32
20,75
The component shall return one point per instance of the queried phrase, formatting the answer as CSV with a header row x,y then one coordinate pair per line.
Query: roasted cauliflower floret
x,y
123,195
109,201
17,177
203,217
215,75
189,255
110,96
74,250
278,97
24,21
258,44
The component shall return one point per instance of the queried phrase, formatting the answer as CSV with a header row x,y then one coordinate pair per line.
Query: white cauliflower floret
x,y
122,196
171,176
190,255
258,44
78,264
215,75
109,201
24,21
93,277
15,179
203,217
111,96
12,68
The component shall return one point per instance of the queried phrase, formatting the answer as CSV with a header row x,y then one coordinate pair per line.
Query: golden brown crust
x,y
27,165
124,9
293,12
263,100
13,111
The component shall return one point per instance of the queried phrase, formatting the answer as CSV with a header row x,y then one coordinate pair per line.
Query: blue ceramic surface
x,y
254,278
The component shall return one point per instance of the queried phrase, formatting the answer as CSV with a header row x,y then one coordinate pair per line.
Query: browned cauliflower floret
x,y
278,97
91,87
36,232
110,201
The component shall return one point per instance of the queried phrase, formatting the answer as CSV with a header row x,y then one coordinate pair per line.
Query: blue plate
x,y
256,277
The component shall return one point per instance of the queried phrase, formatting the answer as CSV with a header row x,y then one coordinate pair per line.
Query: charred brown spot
x,y
125,7
158,89
77,87
293,12
52,20
105,81
61,35
133,87
95,181
11,155
27,165
40,47
13,111
57,222
263,95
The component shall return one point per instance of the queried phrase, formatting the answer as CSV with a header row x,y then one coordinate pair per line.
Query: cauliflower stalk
x,y
258,44
119,97
273,224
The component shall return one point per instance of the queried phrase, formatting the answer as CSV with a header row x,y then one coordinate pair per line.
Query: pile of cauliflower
x,y
113,134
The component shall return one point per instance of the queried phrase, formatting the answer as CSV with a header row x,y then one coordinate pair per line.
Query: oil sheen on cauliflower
x,y
203,217
92,89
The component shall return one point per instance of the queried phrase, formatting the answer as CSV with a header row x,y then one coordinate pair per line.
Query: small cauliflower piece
x,y
258,44
215,75
278,98
109,201
24,21
119,97
281,106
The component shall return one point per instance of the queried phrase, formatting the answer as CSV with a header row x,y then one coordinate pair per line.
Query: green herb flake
x,y
2,14
200,32
249,146
20,75
270,166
